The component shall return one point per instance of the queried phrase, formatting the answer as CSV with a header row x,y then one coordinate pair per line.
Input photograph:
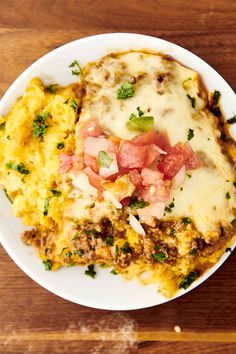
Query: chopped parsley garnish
x,y
17,167
170,207
186,221
76,68
228,249
160,257
60,146
39,124
126,248
68,254
216,97
104,160
93,233
5,191
56,193
113,271
188,175
157,247
47,264
46,206
227,195
51,89
2,126
172,232
76,236
109,240
116,253
188,280
140,122
66,102
79,252
188,79
63,249
137,204
232,120
190,134
90,271
126,90
193,100
193,252
74,104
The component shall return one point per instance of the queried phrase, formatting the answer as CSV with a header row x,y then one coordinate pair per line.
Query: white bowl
x,y
106,291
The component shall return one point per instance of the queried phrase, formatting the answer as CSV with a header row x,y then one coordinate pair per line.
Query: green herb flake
x,y
188,175
186,221
126,90
8,137
227,195
216,97
74,104
17,167
5,191
140,122
187,281
90,271
79,252
68,254
172,233
193,252
46,206
157,247
76,68
114,272
47,264
190,134
231,120
170,207
126,248
66,102
2,126
116,253
60,146
160,257
63,249
193,100
137,204
228,249
39,124
76,236
104,160
56,193
188,79
51,89
109,240
140,112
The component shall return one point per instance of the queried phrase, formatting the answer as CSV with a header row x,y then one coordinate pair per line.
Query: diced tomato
x,y
66,163
113,146
193,162
174,160
78,164
92,162
135,178
163,141
150,176
90,128
125,201
131,155
146,138
94,179
158,192
152,154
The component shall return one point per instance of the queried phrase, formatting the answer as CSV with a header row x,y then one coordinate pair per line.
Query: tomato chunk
x,y
66,162
158,192
90,128
131,155
171,163
91,161
146,138
193,162
150,176
135,178
94,179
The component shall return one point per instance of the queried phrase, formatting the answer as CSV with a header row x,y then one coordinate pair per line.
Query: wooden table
x,y
31,319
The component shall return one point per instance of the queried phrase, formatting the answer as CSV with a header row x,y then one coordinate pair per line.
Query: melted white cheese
x,y
203,197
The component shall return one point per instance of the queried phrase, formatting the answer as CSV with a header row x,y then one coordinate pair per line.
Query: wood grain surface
x,y
33,320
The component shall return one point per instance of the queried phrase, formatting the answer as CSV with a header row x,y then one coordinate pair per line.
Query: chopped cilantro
x,y
47,264
66,102
116,253
157,247
68,254
74,104
126,90
79,252
17,167
140,113
232,120
186,221
60,146
46,206
138,204
188,280
172,232
93,233
39,124
8,137
188,175
126,248
188,79
104,160
193,252
51,89
216,97
63,249
76,68
190,134
76,236
2,126
109,240
5,191
170,207
193,100
90,271
56,193
113,271
160,257
227,195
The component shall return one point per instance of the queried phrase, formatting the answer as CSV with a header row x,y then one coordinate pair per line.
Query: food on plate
x,y
132,167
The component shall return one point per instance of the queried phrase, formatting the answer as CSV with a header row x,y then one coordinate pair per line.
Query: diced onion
x,y
112,169
109,196
93,145
136,226
179,177
82,182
